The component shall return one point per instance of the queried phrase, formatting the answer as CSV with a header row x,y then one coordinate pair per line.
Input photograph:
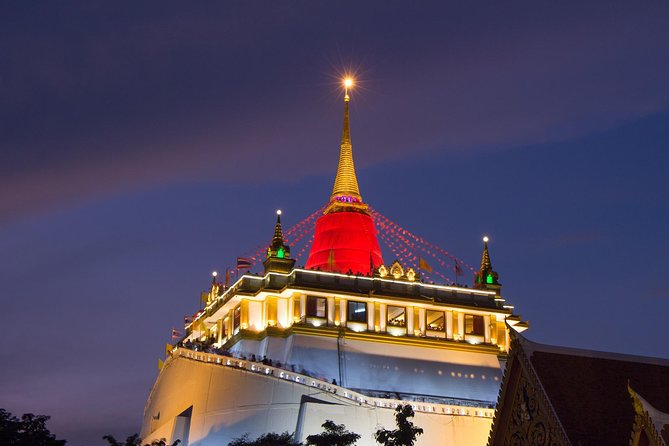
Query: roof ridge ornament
x,y
396,271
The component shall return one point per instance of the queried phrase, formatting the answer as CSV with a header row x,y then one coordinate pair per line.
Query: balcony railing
x,y
341,392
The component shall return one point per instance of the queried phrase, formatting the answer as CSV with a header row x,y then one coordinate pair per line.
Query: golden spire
x,y
277,240
278,248
346,183
486,278
486,265
278,253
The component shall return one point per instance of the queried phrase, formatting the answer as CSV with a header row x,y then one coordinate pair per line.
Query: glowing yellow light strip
x,y
427,285
292,273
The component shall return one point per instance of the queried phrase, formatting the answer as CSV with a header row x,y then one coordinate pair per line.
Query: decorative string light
x,y
404,245
292,236
385,224
407,257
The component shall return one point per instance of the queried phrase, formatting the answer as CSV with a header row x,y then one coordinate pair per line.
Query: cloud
x,y
99,102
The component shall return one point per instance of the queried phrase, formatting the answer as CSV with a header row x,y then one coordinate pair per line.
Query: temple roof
x,y
588,390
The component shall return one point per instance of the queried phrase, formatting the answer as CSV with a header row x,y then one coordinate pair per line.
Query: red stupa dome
x,y
345,237
345,242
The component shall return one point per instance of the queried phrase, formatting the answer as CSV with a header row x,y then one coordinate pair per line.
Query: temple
x,y
346,338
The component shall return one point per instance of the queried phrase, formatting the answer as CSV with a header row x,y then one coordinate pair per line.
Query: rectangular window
x,y
236,318
397,316
317,307
474,325
224,326
357,311
436,320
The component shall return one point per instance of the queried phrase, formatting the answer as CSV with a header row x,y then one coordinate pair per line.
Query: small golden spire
x,y
277,240
278,248
486,278
346,183
486,264
278,252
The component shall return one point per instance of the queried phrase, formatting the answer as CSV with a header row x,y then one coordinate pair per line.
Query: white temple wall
x,y
226,403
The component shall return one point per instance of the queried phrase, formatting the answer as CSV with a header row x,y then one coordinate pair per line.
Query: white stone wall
x,y
228,402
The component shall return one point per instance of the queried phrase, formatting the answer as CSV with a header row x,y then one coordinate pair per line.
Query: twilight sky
x,y
143,145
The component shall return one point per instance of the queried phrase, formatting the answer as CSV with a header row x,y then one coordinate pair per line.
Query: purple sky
x,y
143,145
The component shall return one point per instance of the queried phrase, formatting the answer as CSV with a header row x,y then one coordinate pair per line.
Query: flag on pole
x,y
243,263
458,269
422,264
176,334
168,349
227,277
160,364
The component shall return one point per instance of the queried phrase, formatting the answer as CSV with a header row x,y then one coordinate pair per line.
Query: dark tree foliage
x,y
270,439
30,430
406,432
134,440
333,435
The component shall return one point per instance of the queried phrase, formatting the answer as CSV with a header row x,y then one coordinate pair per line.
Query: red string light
x,y
292,237
384,223
409,248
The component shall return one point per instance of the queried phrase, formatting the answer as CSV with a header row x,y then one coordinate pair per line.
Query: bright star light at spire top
x,y
348,83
